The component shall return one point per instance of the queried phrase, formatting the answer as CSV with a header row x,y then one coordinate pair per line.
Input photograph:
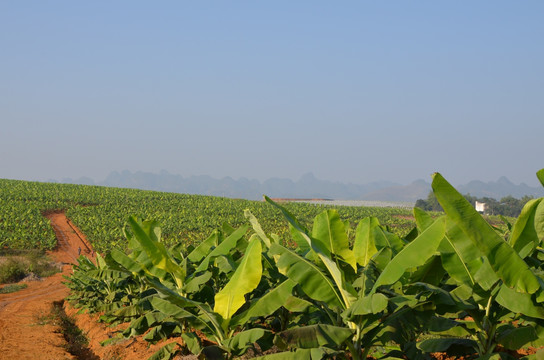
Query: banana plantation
x,y
334,289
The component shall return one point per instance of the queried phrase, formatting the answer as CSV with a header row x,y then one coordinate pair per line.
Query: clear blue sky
x,y
352,91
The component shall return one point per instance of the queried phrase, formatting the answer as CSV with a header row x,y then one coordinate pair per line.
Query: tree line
x,y
506,206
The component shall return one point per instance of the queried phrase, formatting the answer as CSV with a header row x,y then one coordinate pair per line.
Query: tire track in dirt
x,y
21,335
22,338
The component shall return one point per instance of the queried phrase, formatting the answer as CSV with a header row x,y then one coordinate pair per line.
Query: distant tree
x,y
431,204
507,206
471,199
422,204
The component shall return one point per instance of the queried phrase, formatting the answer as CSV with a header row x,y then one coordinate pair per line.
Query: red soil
x,y
22,335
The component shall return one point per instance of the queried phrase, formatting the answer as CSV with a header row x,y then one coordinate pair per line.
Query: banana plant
x,y
350,287
176,283
105,289
494,282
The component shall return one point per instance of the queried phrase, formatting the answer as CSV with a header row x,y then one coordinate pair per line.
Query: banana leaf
x,y
267,304
164,353
364,246
514,338
445,344
503,259
423,220
347,293
242,341
314,336
147,234
245,279
204,247
257,227
528,230
223,248
540,176
331,231
461,258
414,254
311,279
300,354
521,303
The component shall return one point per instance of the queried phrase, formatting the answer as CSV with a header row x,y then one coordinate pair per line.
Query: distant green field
x,y
101,213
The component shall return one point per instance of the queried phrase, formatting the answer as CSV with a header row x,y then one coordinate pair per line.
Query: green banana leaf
x,y
244,280
392,240
528,230
192,342
460,257
223,248
485,277
204,247
443,344
164,353
299,354
330,230
239,343
414,254
432,272
292,220
206,317
347,292
514,338
302,244
519,302
127,262
295,304
257,227
129,311
371,304
364,246
163,331
423,220
312,280
539,222
197,281
540,176
147,234
267,304
168,308
314,336
143,323
503,259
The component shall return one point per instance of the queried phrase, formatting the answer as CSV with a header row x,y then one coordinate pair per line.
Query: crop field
x,y
101,214
220,278
454,285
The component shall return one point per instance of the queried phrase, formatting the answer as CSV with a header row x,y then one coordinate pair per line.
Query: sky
x,y
352,91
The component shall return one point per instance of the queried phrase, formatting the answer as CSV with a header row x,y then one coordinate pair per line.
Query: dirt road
x,y
22,332
21,313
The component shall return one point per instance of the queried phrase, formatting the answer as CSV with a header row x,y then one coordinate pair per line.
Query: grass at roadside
x,y
12,288
16,265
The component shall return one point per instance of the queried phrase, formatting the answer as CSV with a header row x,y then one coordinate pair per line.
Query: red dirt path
x,y
21,335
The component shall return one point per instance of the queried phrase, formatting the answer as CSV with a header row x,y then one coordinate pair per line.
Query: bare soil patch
x,y
26,328
21,334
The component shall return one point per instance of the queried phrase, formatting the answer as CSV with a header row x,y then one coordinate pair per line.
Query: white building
x,y
480,207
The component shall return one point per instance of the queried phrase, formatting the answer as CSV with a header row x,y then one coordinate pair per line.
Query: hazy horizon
x,y
101,181
352,92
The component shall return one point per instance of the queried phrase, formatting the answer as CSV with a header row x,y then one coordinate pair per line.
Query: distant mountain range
x,y
308,186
